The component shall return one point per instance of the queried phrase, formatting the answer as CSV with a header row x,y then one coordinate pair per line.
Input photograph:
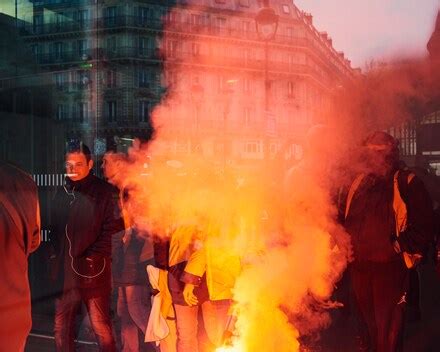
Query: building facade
x,y
106,63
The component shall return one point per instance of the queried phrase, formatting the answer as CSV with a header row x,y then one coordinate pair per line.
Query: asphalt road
x,y
422,335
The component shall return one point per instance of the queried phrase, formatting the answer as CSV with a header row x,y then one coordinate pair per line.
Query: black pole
x,y
16,41
266,76
96,69
266,100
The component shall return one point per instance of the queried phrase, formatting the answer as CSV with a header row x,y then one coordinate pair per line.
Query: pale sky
x,y
374,29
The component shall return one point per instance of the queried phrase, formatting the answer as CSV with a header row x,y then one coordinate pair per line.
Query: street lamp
x,y
266,22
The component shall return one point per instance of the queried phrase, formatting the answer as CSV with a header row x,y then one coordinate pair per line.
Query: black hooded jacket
x,y
85,218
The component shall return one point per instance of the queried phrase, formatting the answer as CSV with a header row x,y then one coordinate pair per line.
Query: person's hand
x,y
189,296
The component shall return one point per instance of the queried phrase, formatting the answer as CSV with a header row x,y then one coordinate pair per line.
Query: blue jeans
x,y
215,319
66,309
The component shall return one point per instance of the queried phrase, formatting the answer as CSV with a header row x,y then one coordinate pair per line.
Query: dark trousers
x,y
98,308
380,294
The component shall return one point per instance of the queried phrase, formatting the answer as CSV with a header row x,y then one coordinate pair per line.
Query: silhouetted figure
x,y
19,236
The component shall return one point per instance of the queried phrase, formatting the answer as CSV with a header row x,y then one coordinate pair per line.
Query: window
x,y
220,1
83,17
146,78
58,50
145,46
290,32
83,112
70,80
244,3
143,78
245,26
220,25
196,20
290,89
195,49
247,55
221,84
144,110
111,111
144,14
173,17
38,24
296,151
292,61
252,147
110,16
111,79
247,116
35,49
172,48
83,78
111,44
173,79
286,8
220,22
61,113
59,80
246,85
59,20
83,47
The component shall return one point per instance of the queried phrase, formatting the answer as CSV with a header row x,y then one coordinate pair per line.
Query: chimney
x,y
308,16
341,54
324,35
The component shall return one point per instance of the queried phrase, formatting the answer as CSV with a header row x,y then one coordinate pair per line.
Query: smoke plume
x,y
281,223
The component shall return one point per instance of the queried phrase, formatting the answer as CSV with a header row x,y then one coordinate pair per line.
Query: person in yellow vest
x,y
388,214
201,276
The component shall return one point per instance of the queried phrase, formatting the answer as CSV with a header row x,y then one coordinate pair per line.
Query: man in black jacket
x,y
19,236
379,202
85,217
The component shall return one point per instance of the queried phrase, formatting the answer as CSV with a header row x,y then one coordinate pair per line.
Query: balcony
x,y
64,57
178,27
92,24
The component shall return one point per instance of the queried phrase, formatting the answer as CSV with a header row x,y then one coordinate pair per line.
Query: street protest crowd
x,y
175,295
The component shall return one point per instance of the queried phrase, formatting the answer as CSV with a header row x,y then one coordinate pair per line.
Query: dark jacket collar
x,y
81,184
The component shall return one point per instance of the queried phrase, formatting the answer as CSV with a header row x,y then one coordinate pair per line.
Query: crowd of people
x,y
172,293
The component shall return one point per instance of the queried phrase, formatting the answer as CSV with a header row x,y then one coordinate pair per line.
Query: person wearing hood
x,y
388,214
85,217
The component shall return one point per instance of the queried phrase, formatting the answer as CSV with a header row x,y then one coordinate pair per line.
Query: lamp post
x,y
266,22
197,97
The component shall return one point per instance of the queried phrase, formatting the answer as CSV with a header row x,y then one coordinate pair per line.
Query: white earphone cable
x,y
70,245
